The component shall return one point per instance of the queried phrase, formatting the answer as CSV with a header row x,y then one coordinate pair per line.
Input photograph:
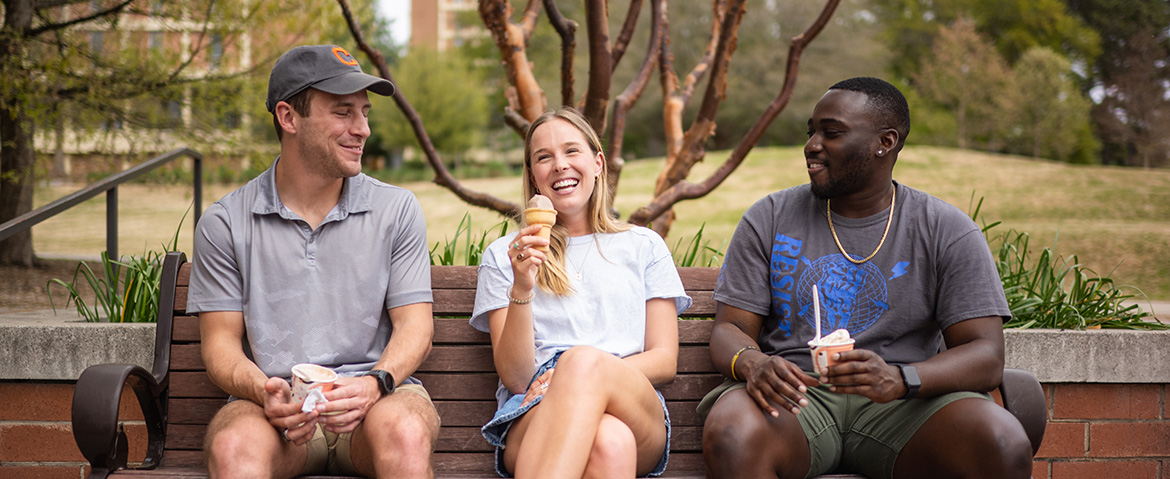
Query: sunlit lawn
x,y
1115,219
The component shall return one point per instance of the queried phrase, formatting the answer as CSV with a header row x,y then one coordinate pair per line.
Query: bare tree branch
x,y
517,122
684,190
442,176
596,100
528,19
57,26
623,39
567,29
529,99
626,100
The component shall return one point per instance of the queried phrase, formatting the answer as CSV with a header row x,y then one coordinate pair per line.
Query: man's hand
x,y
285,415
349,401
863,372
772,380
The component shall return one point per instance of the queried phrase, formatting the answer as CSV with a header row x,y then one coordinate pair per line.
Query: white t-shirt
x,y
619,273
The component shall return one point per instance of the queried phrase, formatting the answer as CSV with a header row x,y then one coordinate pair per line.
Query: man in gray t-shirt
x,y
905,274
315,262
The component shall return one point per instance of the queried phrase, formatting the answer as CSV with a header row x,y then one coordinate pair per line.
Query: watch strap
x,y
910,379
385,380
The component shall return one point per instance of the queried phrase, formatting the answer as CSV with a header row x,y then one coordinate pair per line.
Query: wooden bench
x,y
178,399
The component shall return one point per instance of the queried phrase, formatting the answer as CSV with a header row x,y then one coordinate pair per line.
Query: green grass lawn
x,y
1116,220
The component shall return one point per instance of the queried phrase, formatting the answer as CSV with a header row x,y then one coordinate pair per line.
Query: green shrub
x,y
1057,292
124,291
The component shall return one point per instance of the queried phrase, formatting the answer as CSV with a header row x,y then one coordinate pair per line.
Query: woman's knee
x,y
614,451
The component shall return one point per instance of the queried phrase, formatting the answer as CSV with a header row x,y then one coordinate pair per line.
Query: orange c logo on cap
x,y
344,56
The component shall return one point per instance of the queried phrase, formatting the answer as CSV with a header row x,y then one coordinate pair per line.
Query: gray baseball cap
x,y
328,68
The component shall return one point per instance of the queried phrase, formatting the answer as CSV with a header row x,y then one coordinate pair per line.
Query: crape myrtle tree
x,y
685,140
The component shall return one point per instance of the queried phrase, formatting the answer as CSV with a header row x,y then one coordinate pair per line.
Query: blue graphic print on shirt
x,y
853,296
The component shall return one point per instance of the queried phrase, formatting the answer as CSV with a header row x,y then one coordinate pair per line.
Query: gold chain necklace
x,y
829,214
577,268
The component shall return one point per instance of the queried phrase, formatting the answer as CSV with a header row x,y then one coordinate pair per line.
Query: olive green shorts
x,y
329,453
848,433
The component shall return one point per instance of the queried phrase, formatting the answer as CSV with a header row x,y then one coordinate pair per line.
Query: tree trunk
x,y
16,184
16,132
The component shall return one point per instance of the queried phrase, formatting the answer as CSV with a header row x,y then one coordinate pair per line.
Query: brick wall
x,y
1112,431
36,438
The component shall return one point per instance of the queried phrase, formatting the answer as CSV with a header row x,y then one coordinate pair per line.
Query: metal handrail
x,y
109,185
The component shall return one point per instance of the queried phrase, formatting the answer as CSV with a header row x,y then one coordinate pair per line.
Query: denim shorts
x,y
496,430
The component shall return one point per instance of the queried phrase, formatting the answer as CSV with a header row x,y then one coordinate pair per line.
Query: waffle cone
x,y
545,218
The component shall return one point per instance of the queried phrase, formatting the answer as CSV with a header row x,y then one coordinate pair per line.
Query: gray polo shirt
x,y
318,296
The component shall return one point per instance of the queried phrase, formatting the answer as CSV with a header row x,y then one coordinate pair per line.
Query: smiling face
x,y
332,136
564,167
842,144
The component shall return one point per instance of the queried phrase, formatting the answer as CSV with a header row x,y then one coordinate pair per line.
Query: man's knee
x,y
407,425
240,442
737,435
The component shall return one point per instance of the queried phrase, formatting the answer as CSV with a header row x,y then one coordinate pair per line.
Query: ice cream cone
x,y
546,218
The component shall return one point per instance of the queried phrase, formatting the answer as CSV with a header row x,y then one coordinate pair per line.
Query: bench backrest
x,y
459,373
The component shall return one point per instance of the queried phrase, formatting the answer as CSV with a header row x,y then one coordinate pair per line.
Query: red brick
x,y
36,401
1040,470
1100,469
53,442
1064,440
1143,439
42,472
38,442
1107,401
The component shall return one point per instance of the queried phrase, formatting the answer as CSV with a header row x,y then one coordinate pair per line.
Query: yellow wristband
x,y
736,358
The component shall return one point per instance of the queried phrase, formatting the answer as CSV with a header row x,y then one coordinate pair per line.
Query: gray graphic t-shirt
x,y
934,270
319,296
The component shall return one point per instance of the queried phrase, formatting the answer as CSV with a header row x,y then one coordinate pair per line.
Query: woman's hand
x,y
526,260
538,387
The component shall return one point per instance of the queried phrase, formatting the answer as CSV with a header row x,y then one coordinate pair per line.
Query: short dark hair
x,y
300,103
886,104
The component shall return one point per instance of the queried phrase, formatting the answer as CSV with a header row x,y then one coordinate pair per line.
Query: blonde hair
x,y
553,277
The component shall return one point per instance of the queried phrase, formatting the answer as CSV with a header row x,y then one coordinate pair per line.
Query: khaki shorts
x,y
329,453
850,433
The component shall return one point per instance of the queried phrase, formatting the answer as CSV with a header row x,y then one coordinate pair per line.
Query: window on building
x,y
156,40
96,41
215,51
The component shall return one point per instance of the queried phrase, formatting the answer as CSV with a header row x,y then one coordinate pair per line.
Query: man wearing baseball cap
x,y
314,262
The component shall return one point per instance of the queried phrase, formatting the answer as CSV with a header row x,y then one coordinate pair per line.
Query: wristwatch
x,y
385,380
910,379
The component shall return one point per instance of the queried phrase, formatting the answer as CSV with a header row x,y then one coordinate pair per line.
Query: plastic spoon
x,y
817,313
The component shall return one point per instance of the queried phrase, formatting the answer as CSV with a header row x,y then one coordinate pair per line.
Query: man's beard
x,y
852,179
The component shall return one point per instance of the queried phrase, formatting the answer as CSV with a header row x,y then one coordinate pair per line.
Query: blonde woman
x,y
581,335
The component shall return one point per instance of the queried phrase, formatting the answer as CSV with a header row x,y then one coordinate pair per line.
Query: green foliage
x,y
470,253
1053,117
124,291
448,95
1057,292
697,251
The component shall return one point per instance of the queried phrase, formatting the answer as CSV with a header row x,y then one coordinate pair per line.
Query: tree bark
x,y
17,156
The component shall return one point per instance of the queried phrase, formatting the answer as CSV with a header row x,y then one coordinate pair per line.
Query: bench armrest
x,y
95,415
1024,398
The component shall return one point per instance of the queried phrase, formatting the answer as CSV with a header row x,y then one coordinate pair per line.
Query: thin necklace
x,y
829,214
577,268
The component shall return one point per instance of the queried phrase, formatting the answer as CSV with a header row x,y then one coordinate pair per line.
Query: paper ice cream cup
x,y
822,355
311,376
545,218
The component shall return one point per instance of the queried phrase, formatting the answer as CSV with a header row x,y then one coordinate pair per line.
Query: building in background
x,y
444,24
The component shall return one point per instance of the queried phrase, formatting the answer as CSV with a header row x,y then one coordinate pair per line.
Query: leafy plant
x,y
1057,292
472,252
124,291
697,252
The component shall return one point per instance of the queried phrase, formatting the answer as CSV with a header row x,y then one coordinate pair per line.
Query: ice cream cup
x,y
543,217
311,376
822,355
